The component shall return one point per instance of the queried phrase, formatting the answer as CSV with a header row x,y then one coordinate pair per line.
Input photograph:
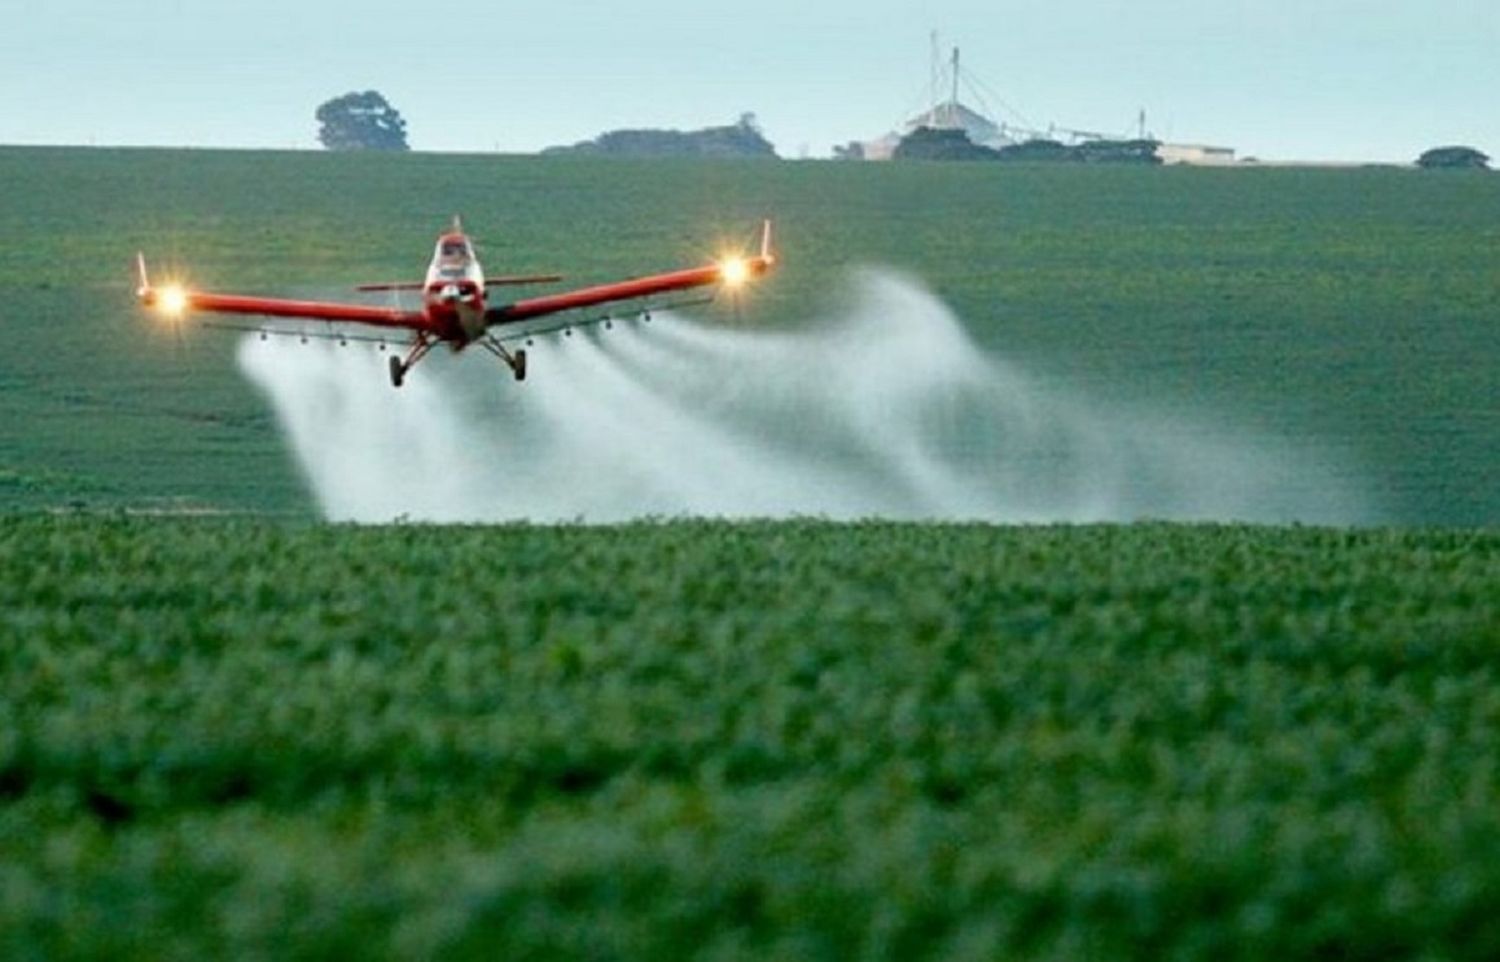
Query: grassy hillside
x,y
1352,312
780,740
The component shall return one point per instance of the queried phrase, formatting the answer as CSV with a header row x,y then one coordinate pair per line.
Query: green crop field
x,y
1351,312
261,736
791,740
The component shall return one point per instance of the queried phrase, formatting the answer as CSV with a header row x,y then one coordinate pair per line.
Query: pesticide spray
x,y
888,410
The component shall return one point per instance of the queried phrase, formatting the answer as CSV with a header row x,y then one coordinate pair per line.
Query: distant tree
x,y
941,143
361,121
741,139
854,150
1088,152
1453,157
1038,150
1118,152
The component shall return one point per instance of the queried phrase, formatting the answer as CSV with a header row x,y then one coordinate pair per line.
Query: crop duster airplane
x,y
454,309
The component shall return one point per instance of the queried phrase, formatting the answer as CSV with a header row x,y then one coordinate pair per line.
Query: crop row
x,y
792,740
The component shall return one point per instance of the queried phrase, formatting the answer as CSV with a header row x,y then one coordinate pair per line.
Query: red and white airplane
x,y
454,308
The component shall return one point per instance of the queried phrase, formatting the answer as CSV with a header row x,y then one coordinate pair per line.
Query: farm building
x,y
1196,154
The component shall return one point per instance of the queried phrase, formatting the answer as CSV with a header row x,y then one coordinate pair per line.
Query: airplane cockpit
x,y
454,250
454,259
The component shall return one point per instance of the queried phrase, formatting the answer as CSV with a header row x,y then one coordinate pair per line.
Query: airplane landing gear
x,y
419,349
516,362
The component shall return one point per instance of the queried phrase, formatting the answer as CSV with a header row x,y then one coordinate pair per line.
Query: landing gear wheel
x,y
519,367
398,371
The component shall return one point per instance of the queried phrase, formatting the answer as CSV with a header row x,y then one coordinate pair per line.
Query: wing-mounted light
x,y
172,300
734,271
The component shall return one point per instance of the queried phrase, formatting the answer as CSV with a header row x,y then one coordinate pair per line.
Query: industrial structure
x,y
946,111
949,114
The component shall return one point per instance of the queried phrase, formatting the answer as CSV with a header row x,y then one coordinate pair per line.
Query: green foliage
x,y
1041,150
1087,152
1450,158
1118,152
853,150
742,139
1349,312
361,121
933,143
941,143
788,740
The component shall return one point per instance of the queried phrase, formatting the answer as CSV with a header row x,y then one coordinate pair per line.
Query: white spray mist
x,y
889,410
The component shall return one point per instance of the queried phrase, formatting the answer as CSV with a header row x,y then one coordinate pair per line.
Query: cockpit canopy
x,y
454,248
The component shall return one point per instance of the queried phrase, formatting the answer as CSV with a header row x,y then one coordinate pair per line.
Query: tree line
x,y
367,121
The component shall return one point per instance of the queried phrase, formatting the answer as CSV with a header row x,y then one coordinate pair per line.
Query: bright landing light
x,y
734,271
172,300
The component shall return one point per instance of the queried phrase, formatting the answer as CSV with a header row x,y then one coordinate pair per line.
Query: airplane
x,y
454,308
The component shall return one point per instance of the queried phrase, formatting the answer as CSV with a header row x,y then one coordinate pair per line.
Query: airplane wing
x,y
731,272
176,301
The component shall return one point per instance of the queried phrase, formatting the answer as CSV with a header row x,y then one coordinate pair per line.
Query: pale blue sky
x,y
1290,79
